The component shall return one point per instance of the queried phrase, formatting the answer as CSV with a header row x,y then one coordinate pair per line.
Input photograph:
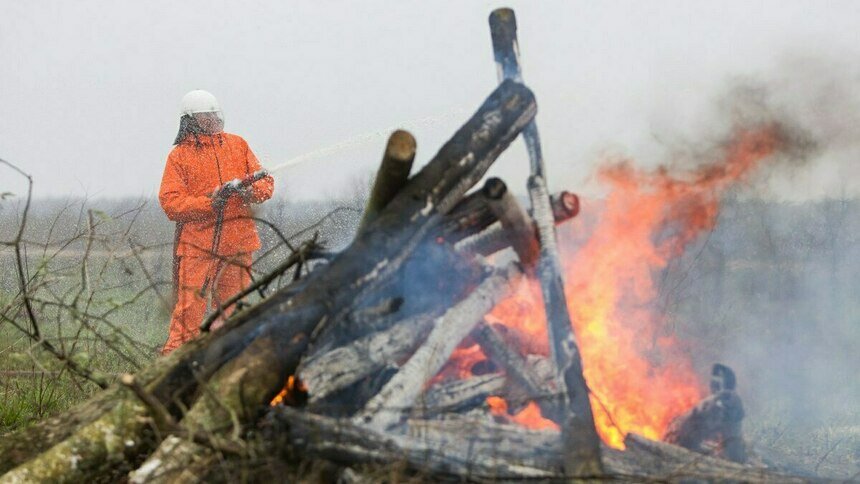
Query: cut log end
x,y
401,147
565,206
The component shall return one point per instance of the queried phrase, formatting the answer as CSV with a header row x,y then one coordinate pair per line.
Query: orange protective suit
x,y
195,168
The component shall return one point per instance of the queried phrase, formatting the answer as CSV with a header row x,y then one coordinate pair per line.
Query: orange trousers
x,y
227,276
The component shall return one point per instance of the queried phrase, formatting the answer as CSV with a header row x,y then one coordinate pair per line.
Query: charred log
x,y
491,451
343,366
475,229
458,395
582,445
528,385
518,226
471,216
462,448
420,287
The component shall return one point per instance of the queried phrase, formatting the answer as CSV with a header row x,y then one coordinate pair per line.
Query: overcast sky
x,y
90,90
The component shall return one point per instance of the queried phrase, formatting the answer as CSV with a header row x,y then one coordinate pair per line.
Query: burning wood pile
x,y
362,343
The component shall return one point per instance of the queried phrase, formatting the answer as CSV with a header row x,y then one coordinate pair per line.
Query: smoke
x,y
795,328
769,287
756,200
816,101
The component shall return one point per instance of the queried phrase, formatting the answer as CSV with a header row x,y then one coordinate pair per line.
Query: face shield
x,y
210,122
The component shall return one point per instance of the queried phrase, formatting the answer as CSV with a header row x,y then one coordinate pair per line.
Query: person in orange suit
x,y
208,270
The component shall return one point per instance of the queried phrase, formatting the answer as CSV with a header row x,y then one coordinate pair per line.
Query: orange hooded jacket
x,y
195,168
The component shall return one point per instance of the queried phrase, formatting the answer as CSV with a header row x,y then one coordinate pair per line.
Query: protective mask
x,y
210,123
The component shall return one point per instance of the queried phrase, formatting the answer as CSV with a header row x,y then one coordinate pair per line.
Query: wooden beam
x,y
582,444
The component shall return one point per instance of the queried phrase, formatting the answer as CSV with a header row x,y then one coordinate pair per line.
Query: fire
x,y
529,417
639,373
293,391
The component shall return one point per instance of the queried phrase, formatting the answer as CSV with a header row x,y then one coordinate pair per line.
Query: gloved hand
x,y
221,194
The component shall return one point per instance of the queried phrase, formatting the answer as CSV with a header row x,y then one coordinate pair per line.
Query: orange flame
x,y
529,417
288,394
639,373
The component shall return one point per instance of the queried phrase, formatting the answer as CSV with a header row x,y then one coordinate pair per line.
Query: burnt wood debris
x,y
353,347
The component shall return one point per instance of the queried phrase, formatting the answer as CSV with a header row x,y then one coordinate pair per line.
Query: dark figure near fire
x,y
713,426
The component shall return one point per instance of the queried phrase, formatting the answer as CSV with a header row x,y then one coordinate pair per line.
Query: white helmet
x,y
199,101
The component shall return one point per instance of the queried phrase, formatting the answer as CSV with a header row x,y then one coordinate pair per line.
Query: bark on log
x,y
19,446
392,175
172,463
105,445
386,408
